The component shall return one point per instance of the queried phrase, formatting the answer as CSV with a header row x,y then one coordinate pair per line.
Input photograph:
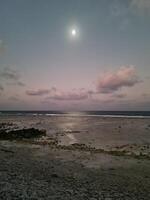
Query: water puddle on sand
x,y
67,139
72,138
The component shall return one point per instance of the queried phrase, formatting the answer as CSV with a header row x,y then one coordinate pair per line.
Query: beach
x,y
80,157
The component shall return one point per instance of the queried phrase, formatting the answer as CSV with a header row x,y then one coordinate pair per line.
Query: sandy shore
x,y
84,163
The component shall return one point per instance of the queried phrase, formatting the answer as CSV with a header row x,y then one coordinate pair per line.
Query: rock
x,y
54,175
6,151
21,134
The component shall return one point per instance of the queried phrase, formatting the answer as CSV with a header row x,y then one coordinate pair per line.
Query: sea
x,y
138,114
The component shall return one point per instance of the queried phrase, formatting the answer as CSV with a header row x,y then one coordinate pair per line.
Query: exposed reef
x,y
29,133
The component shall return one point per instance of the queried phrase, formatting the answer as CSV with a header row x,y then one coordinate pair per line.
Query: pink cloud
x,y
126,76
56,94
74,95
120,96
14,98
39,92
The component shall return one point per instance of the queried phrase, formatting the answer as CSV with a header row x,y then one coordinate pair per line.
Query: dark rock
x,y
5,126
72,131
21,134
54,175
6,151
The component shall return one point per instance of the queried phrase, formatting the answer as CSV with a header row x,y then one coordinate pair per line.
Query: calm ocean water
x,y
83,113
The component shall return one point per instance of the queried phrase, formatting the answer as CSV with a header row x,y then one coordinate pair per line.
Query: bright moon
x,y
73,32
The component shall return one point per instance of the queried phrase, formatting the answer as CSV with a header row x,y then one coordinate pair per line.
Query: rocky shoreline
x,y
52,142
35,165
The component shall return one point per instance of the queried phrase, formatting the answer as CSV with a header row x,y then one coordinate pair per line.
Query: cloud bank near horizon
x,y
107,83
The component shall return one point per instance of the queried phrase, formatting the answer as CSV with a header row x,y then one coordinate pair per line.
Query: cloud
x,y
20,83
59,95
125,77
120,96
147,77
146,95
140,5
108,83
118,9
14,98
39,92
1,88
119,14
9,74
73,95
70,96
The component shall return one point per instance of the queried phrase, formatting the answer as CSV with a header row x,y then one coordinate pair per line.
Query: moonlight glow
x,y
74,32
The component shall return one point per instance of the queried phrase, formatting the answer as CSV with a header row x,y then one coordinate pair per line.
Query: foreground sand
x,y
42,170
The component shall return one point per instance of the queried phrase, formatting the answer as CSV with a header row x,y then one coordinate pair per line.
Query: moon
x,y
73,32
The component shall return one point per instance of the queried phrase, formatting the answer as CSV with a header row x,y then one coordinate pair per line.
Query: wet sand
x,y
74,167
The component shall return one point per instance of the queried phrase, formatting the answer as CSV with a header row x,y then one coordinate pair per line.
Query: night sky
x,y
74,55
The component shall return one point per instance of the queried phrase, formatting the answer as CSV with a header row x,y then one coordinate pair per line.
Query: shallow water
x,y
100,132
